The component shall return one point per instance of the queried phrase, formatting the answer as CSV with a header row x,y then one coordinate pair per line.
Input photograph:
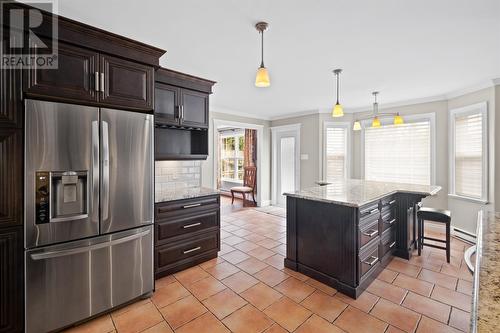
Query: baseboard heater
x,y
464,235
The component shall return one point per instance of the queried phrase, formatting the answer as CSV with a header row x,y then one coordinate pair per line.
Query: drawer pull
x,y
392,245
392,202
192,205
191,225
374,211
370,233
371,263
192,250
390,222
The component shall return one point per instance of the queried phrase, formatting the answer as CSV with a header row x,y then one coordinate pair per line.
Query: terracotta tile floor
x,y
247,289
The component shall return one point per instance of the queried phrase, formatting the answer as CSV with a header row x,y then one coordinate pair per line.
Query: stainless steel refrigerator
x,y
88,211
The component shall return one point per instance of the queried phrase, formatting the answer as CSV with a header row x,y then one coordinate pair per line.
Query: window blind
x,y
469,155
336,151
399,153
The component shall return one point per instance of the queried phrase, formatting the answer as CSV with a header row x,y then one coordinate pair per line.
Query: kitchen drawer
x,y
388,203
369,213
388,220
170,209
186,225
368,233
174,253
388,242
368,259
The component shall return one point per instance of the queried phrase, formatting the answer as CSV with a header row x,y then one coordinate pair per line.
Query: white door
x,y
286,163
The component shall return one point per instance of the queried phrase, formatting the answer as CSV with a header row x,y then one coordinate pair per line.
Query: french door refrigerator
x,y
88,211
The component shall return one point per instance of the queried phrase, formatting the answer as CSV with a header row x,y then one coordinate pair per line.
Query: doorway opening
x,y
286,162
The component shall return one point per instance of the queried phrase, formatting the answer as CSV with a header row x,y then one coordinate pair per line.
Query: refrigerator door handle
x,y
68,252
94,203
105,171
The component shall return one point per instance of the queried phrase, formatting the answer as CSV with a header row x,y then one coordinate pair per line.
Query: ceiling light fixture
x,y
338,110
375,115
262,77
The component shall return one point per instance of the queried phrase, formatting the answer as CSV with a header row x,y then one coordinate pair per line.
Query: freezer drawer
x,y
71,282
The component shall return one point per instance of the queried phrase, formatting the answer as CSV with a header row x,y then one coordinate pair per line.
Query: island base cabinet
x,y
347,247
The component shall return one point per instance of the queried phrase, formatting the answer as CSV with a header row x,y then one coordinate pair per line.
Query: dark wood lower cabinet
x,y
187,232
347,247
11,280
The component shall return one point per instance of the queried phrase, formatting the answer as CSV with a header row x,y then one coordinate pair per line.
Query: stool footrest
x,y
434,246
434,239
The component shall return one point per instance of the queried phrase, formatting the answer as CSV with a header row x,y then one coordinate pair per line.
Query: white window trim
x,y
469,109
415,118
347,126
236,135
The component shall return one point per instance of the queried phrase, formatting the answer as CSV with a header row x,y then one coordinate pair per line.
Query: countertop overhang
x,y
184,193
357,193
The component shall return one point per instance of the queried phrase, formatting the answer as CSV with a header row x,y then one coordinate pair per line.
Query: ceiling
x,y
406,49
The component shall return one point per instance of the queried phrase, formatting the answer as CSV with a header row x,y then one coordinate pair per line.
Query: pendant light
x,y
338,110
356,126
375,116
398,120
262,77
376,121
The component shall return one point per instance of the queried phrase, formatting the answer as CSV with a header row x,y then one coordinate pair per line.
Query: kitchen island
x,y
345,233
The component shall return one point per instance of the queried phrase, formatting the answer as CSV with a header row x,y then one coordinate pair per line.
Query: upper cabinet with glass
x,y
181,100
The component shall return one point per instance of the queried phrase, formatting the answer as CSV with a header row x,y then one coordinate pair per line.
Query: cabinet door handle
x,y
102,82
192,225
371,263
392,245
182,112
370,233
96,81
192,250
392,202
390,222
191,206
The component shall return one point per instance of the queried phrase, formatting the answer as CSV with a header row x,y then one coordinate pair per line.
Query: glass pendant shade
x,y
376,122
398,120
262,78
338,111
356,126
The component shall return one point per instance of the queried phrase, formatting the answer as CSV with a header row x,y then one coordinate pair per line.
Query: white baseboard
x,y
462,234
265,203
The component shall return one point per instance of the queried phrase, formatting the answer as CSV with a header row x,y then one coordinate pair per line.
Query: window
x,y
336,147
400,153
232,157
468,152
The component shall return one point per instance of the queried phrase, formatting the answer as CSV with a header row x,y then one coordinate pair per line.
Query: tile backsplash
x,y
175,175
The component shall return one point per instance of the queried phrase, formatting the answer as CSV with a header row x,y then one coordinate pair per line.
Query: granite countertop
x,y
485,315
184,193
356,192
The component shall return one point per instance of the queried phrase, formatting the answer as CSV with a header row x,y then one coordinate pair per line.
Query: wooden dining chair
x,y
249,181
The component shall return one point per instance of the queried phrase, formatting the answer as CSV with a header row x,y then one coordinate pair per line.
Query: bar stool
x,y
435,215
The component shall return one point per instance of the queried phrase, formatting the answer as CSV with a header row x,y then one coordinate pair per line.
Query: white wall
x,y
207,167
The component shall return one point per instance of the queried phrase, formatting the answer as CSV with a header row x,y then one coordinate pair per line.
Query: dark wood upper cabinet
x,y
167,104
11,280
126,83
194,108
90,77
73,80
